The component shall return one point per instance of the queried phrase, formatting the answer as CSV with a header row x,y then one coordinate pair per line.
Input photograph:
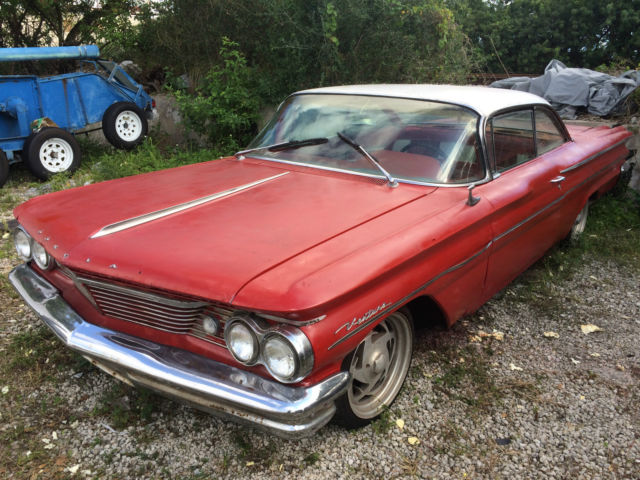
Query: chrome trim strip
x,y
393,306
546,207
403,300
149,217
76,282
371,175
142,294
594,156
217,388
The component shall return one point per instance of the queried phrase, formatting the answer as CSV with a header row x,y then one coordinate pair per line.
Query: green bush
x,y
224,108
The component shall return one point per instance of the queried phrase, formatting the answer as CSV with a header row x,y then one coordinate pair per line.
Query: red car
x,y
281,286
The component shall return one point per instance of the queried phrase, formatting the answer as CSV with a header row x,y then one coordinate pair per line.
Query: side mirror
x,y
471,201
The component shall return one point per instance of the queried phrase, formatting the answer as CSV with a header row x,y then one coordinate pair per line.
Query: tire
x,y
579,224
124,125
50,151
4,168
25,146
378,368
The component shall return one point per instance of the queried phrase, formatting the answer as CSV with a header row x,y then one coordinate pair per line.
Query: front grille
x,y
174,315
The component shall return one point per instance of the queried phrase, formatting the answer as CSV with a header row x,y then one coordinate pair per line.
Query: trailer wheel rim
x,y
56,155
128,126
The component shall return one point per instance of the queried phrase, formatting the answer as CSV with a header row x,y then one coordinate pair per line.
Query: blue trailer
x,y
40,116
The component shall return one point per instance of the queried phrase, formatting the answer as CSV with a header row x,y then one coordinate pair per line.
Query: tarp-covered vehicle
x,y
39,116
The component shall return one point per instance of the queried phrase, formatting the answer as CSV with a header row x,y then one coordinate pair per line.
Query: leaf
x,y
594,354
250,464
5,236
590,328
400,423
496,335
413,440
74,469
513,367
551,335
5,389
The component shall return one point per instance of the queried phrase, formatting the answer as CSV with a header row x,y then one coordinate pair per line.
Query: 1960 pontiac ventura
x,y
281,286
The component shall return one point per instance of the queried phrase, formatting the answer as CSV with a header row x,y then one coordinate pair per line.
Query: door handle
x,y
558,179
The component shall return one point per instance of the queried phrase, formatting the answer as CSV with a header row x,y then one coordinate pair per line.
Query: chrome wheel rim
x,y
379,366
128,125
56,155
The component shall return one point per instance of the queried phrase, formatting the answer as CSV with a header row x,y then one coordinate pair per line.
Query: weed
x,y
383,423
312,458
468,381
31,350
125,406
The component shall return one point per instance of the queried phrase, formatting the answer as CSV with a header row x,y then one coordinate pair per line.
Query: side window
x,y
513,139
548,136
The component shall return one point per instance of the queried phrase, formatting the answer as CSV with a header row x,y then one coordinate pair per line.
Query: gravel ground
x,y
492,398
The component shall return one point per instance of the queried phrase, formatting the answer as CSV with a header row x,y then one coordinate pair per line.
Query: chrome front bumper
x,y
204,383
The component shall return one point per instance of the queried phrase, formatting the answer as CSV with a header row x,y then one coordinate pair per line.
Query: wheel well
x,y
427,314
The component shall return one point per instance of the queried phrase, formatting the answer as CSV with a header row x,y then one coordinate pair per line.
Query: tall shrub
x,y
224,106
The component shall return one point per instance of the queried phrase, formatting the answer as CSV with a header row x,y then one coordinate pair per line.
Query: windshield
x,y
414,140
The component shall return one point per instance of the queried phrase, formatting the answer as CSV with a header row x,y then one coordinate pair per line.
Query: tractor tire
x,y
124,125
50,151
4,168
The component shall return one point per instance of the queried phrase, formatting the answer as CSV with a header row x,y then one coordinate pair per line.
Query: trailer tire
x,y
124,125
4,168
50,151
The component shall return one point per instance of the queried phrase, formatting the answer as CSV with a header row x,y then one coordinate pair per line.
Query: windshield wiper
x,y
360,149
278,147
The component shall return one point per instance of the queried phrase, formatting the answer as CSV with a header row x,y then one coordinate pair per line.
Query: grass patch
x,y
38,351
125,406
383,423
248,452
466,378
312,459
106,163
612,234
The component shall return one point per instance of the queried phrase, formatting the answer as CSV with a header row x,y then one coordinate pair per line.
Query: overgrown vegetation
x,y
225,106
524,35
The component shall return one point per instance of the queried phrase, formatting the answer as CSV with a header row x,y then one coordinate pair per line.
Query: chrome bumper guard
x,y
217,388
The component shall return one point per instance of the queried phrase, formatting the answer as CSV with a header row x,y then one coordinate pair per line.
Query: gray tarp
x,y
568,89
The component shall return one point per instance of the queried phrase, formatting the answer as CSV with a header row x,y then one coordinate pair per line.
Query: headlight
x,y
279,357
41,257
22,241
284,350
242,342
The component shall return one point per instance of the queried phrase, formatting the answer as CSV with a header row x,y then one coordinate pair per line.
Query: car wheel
x,y
52,150
580,223
378,368
124,125
4,168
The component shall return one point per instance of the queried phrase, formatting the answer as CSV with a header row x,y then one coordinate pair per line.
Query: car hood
x,y
205,229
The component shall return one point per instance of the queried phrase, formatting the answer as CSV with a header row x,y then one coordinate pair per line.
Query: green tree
x,y
295,44
524,35
31,23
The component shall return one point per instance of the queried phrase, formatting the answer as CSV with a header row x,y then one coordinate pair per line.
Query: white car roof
x,y
484,100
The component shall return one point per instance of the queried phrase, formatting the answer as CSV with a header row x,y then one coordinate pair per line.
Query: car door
x,y
525,194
